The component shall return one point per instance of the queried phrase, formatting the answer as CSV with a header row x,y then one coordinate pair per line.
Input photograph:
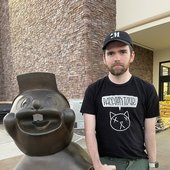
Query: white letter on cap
x,y
116,34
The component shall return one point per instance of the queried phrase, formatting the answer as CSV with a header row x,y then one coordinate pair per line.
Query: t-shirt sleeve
x,y
152,103
88,105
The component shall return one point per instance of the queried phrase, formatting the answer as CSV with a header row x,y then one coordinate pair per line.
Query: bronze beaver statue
x,y
41,124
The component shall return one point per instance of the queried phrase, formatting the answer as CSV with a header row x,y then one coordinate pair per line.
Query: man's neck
x,y
120,79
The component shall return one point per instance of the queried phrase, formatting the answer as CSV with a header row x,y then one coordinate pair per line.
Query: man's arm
x,y
91,142
150,139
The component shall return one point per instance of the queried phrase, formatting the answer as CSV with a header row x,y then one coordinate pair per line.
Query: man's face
x,y
117,58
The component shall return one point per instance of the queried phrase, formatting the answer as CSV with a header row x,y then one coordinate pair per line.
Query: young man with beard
x,y
120,112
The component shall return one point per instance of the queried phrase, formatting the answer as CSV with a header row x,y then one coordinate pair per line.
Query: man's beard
x,y
118,71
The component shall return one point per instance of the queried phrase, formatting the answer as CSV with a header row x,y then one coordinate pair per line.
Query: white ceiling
x,y
155,38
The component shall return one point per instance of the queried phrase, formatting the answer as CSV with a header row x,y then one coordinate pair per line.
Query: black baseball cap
x,y
117,36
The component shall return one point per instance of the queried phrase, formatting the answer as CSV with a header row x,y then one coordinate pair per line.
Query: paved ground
x,y
163,149
10,154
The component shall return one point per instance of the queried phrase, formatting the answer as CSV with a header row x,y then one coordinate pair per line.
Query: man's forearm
x,y
150,139
150,142
90,137
93,149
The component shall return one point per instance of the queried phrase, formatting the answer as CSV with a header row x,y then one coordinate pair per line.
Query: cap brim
x,y
125,42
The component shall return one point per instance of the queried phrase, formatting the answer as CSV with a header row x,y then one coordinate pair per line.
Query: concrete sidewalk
x,y
10,154
163,149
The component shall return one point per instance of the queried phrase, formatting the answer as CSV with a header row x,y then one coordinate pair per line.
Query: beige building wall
x,y
159,56
135,12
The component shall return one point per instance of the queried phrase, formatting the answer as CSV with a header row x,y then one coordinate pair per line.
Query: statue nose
x,y
36,104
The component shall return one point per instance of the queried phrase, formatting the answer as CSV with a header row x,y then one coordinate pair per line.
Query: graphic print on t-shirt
x,y
119,121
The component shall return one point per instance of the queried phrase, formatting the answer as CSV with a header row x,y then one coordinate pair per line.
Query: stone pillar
x,y
59,36
5,51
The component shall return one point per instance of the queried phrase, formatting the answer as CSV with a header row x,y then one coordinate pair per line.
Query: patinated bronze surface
x,y
41,124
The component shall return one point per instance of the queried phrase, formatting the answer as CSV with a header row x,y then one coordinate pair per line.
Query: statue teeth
x,y
37,117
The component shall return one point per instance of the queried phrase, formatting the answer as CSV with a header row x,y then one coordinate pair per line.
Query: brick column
x,y
5,52
59,36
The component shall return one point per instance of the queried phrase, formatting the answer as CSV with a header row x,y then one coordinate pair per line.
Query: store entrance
x,y
164,81
164,95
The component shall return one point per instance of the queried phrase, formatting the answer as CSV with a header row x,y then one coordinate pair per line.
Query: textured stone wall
x,y
59,36
1,75
5,52
1,65
143,63
100,20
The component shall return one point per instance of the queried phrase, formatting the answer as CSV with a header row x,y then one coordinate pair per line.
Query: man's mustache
x,y
117,64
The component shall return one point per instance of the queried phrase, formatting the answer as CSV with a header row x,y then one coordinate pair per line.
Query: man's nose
x,y
117,57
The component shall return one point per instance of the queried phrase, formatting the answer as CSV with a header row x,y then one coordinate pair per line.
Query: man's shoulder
x,y
142,82
98,82
96,86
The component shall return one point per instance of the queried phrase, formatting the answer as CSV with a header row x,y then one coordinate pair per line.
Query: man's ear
x,y
132,57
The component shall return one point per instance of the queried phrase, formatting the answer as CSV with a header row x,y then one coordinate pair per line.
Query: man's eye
x,y
123,51
110,53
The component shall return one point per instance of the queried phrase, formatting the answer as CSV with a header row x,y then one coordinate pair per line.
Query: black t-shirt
x,y
120,112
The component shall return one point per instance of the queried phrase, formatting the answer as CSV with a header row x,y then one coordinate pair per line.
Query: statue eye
x,y
25,102
50,101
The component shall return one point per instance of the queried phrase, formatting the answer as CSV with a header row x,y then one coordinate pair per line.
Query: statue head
x,y
40,121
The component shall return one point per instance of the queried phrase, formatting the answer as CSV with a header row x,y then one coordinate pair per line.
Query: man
x,y
120,112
